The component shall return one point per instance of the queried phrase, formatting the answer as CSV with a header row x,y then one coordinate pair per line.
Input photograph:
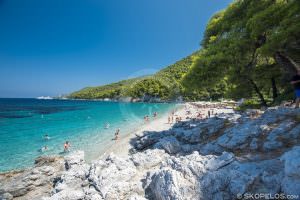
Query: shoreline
x,y
122,146
165,157
99,152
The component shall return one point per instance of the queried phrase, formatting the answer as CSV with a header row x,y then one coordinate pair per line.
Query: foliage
x,y
249,104
249,50
241,45
165,84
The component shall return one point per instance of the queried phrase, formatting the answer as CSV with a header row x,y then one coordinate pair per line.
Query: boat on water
x,y
44,97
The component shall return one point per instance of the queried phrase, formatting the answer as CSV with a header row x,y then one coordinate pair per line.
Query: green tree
x,y
241,45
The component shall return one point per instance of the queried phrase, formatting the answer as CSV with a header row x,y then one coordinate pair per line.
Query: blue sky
x,y
53,47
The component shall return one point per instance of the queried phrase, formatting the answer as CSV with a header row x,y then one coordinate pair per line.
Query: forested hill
x,y
252,49
163,85
249,50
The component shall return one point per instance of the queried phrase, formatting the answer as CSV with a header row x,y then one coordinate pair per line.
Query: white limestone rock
x,y
74,158
170,144
111,177
149,158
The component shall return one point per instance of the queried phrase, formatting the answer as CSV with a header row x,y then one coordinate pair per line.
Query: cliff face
x,y
225,157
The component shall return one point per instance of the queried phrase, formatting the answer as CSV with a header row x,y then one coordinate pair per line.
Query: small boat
x,y
44,97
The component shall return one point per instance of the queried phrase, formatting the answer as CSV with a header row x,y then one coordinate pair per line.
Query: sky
x,y
54,47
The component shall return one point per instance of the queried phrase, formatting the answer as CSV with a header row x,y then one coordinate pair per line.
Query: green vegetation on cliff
x,y
252,48
249,50
165,84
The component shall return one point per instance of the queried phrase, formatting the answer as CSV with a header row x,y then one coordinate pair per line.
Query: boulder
x,y
149,158
74,158
170,184
291,182
170,144
112,176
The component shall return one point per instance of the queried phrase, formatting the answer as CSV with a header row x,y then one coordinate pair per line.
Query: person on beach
x,y
117,133
154,115
146,118
296,83
67,146
199,115
169,119
208,114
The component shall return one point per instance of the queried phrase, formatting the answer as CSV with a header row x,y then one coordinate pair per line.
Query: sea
x,y
25,122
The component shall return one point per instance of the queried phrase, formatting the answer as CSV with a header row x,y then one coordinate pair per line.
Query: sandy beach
x,y
185,111
122,146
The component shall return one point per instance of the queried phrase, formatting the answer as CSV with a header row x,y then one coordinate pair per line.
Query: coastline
x,y
83,126
193,158
122,146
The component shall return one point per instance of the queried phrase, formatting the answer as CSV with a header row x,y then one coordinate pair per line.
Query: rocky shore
x,y
228,156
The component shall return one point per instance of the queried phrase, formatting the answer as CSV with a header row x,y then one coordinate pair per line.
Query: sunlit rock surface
x,y
217,158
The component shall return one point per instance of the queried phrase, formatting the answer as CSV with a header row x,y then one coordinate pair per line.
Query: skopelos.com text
x,y
266,196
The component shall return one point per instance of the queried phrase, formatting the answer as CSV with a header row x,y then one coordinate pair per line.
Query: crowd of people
x,y
204,110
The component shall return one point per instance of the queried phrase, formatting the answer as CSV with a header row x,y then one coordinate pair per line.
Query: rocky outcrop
x,y
32,183
225,157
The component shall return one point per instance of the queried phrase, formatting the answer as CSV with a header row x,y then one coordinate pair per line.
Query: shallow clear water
x,y
24,122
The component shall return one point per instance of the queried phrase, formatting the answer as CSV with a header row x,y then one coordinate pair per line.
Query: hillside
x,y
165,84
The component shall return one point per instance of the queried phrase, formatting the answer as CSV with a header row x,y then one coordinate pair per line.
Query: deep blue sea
x,y
24,122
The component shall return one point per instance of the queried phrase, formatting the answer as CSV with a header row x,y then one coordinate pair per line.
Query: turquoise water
x,y
24,122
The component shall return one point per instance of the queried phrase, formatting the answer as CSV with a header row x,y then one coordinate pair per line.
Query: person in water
x,y
46,137
107,125
45,148
67,146
117,133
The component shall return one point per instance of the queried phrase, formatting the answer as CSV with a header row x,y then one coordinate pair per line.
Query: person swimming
x,y
46,137
67,146
107,125
45,148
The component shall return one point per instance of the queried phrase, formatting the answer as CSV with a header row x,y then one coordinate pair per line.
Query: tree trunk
x,y
260,95
287,63
274,89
